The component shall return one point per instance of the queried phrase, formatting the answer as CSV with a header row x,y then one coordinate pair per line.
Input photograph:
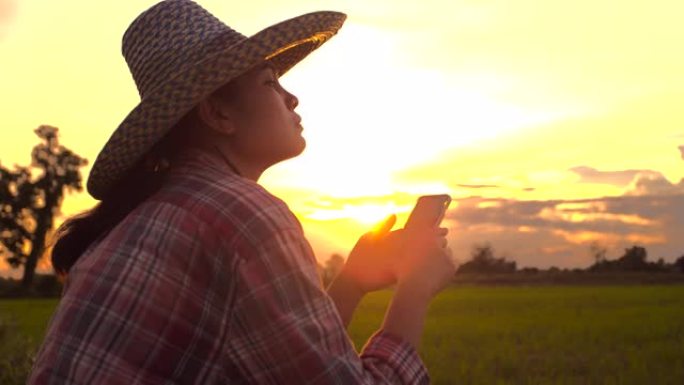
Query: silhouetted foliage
x,y
598,252
332,266
29,204
484,261
44,285
634,259
679,264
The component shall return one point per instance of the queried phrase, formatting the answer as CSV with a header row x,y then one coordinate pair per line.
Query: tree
x,y
679,264
483,261
483,254
28,204
332,267
634,259
598,252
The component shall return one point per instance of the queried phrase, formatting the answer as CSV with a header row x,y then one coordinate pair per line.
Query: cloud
x,y
7,14
491,186
7,11
559,232
637,182
617,178
568,215
478,186
654,184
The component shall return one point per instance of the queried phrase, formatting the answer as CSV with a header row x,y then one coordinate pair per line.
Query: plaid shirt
x,y
210,281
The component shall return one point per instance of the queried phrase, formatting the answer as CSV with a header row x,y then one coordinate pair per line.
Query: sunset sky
x,y
553,124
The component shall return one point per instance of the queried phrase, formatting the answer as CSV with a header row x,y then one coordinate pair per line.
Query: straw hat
x,y
178,53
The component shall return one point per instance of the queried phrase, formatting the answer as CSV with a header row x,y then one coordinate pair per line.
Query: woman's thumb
x,y
385,226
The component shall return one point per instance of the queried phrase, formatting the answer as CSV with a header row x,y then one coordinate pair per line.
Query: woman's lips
x,y
298,122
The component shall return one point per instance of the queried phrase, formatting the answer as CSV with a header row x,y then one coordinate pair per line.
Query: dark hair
x,y
77,233
144,179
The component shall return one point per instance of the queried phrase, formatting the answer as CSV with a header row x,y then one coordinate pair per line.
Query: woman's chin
x,y
295,150
302,146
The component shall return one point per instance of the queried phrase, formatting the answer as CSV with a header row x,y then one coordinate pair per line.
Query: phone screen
x,y
429,211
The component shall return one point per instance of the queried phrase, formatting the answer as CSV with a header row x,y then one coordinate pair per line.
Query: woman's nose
x,y
291,100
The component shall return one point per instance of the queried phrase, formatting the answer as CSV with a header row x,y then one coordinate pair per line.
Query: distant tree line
x,y
44,285
634,259
483,261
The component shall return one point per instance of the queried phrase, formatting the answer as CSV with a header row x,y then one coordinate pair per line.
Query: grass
x,y
22,327
548,334
31,316
519,335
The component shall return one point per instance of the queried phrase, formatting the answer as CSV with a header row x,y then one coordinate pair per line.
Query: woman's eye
x,y
272,83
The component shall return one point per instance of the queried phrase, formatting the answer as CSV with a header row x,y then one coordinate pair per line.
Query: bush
x,y
634,260
44,286
47,285
483,261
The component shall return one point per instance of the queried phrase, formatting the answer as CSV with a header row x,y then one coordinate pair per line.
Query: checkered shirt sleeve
x,y
286,329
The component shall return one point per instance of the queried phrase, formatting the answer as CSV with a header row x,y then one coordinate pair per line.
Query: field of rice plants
x,y
548,334
631,334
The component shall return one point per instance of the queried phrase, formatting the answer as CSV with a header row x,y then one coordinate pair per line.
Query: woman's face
x,y
266,130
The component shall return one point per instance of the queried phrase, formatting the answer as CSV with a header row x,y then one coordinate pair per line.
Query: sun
x,y
367,120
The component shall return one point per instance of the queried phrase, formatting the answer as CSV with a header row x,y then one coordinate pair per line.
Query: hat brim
x,y
283,44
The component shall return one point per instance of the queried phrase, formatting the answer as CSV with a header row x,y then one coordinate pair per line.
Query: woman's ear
x,y
214,117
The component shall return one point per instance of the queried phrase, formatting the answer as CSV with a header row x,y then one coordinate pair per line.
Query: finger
x,y
456,262
451,257
386,225
444,243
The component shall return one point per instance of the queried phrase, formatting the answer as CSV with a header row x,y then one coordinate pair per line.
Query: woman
x,y
188,271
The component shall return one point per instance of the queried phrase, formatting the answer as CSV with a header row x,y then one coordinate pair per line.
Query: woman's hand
x,y
370,265
426,265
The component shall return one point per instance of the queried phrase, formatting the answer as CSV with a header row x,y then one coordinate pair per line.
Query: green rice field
x,y
632,334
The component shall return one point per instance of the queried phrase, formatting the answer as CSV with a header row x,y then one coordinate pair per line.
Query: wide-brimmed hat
x,y
178,54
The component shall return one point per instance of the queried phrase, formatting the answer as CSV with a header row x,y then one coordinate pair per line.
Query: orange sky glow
x,y
552,124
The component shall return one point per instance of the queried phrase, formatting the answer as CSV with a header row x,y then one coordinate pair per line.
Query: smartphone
x,y
428,211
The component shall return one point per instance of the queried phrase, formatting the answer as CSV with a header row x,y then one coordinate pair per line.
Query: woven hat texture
x,y
178,53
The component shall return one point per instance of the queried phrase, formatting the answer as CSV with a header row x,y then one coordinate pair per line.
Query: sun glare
x,y
365,120
365,214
